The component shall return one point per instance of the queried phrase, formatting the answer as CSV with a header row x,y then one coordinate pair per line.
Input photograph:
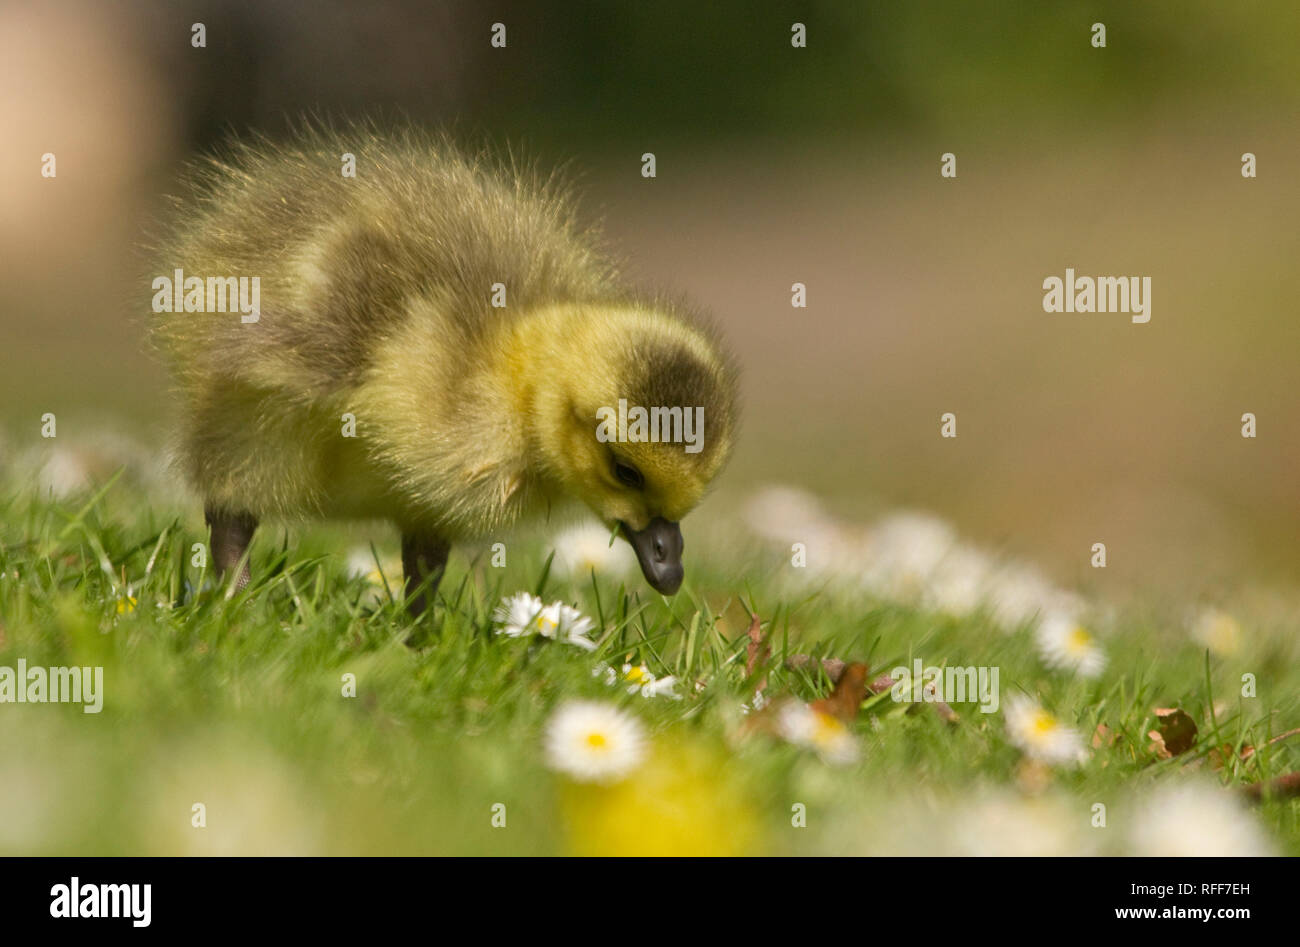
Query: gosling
x,y
433,341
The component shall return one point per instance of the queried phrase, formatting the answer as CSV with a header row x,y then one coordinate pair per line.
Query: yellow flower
x,y
679,803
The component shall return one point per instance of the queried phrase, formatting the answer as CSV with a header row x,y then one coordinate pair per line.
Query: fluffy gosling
x,y
376,303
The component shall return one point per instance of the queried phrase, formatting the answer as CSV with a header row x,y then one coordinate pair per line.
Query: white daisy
x,y
63,469
1018,594
907,548
639,680
784,514
1064,643
1040,735
650,686
587,547
574,628
594,742
804,726
519,614
959,583
1195,819
524,614
64,473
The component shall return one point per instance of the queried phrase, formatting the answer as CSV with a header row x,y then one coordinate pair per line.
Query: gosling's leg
x,y
231,534
424,557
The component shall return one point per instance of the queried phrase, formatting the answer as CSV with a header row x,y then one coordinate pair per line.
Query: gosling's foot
x,y
231,535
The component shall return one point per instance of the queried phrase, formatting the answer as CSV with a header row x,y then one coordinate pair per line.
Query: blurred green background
x,y
776,165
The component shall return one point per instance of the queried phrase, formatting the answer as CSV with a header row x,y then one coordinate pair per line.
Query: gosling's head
x,y
641,425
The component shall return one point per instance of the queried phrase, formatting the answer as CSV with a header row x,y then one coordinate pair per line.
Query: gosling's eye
x,y
629,475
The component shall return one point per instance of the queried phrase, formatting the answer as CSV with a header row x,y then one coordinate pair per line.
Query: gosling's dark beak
x,y
659,550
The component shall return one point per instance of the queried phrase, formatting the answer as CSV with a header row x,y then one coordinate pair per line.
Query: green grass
x,y
236,703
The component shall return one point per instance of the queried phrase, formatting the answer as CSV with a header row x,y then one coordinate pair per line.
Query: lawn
x,y
295,718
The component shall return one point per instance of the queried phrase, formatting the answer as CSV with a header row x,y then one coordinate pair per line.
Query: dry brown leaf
x,y
1175,732
881,684
756,652
846,698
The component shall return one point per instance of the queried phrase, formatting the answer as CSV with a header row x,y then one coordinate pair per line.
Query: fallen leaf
x,y
881,684
846,698
1175,733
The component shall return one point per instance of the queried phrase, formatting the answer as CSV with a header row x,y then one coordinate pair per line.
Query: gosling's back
x,y
340,258
422,232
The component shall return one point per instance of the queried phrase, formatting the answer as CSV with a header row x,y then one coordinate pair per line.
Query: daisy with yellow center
x,y
639,679
522,615
828,736
1042,736
594,742
1064,643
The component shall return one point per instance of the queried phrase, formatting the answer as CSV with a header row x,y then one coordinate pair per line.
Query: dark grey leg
x,y
423,557
231,534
